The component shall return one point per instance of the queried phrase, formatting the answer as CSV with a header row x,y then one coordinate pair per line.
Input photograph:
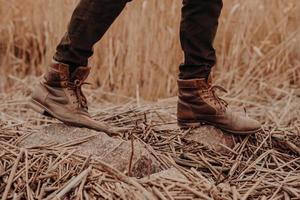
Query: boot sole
x,y
203,123
38,107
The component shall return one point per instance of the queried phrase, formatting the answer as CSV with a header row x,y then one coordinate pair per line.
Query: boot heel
x,y
36,108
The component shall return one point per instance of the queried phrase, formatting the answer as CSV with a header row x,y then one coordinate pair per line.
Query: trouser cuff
x,y
194,71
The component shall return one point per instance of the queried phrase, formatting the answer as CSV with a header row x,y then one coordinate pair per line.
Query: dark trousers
x,y
92,18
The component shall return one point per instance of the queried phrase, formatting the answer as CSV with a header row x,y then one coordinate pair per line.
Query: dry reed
x,y
257,44
258,50
262,166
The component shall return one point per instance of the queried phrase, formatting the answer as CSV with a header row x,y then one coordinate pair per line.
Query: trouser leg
x,y
197,32
90,20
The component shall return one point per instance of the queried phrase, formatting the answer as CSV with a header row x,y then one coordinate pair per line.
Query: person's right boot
x,y
198,104
59,95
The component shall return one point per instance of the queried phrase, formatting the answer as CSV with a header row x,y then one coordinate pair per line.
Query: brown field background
x,y
258,47
257,44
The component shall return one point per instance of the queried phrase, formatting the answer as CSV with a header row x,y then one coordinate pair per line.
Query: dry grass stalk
x,y
257,46
259,166
258,62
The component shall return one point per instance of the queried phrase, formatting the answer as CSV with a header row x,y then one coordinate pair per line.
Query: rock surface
x,y
212,137
113,151
209,136
116,151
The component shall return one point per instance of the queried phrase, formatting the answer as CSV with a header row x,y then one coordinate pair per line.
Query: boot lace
x,y
213,97
76,87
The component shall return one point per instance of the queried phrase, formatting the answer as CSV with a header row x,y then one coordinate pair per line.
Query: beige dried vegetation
x,y
258,47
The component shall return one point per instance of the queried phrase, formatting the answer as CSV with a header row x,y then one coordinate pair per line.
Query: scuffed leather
x,y
197,102
60,95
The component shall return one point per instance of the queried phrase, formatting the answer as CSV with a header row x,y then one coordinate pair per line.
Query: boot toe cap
x,y
247,126
253,125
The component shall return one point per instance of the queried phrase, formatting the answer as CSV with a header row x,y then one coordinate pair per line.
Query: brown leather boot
x,y
198,104
59,95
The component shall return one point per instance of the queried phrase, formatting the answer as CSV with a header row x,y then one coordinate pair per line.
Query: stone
x,y
211,137
114,151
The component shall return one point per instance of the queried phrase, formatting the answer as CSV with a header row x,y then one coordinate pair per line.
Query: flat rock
x,y
116,151
212,137
113,151
209,136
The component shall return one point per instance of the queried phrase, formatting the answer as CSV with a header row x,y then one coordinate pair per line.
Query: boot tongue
x,y
81,73
209,80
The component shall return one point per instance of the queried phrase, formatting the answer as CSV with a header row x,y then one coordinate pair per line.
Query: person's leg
x,y
59,93
89,22
197,32
198,102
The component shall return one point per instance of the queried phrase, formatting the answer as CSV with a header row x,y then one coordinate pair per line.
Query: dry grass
x,y
256,43
259,62
262,166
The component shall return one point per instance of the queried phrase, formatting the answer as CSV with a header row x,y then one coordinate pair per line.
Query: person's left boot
x,y
59,95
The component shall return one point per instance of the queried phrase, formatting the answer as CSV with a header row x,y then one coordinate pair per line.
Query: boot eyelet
x,y
77,82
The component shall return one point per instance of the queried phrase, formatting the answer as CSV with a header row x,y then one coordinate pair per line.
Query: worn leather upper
x,y
60,94
198,102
